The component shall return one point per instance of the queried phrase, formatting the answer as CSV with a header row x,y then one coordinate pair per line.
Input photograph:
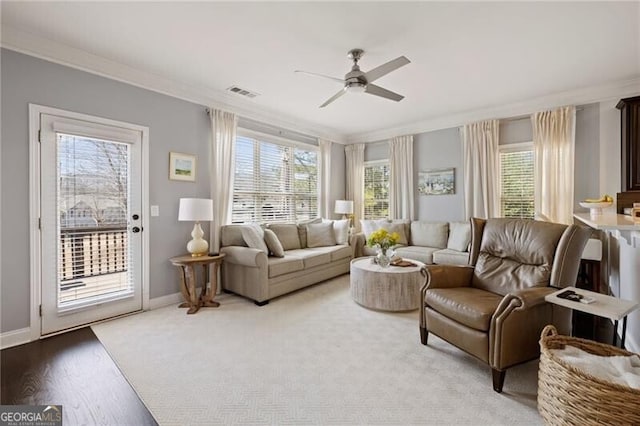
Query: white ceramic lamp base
x,y
197,246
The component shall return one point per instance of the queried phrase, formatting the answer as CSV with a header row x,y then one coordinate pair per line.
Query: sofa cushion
x,y
231,235
302,230
287,234
337,252
320,235
341,251
429,234
253,238
311,257
273,243
284,265
459,236
469,306
419,253
451,257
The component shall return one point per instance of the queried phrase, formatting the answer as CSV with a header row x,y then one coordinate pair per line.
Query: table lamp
x,y
196,209
344,207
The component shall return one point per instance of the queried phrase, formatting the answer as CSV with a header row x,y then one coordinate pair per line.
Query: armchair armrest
x,y
516,326
245,256
448,276
357,241
443,276
524,299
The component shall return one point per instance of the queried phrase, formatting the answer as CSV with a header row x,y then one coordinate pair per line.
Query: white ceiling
x,y
465,56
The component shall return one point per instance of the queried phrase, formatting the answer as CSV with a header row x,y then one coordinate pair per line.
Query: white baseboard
x,y
15,337
169,299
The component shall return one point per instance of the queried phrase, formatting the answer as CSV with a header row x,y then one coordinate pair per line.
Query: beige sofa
x,y
256,273
444,243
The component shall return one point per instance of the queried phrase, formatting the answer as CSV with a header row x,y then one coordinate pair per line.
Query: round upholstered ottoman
x,y
395,288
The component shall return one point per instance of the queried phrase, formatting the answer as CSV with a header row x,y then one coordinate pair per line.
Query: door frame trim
x,y
35,258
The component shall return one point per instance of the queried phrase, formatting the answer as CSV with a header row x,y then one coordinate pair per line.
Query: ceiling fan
x,y
359,81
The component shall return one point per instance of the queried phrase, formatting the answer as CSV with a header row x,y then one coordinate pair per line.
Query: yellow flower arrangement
x,y
383,239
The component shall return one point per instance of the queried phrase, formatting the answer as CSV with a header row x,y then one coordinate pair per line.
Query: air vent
x,y
242,92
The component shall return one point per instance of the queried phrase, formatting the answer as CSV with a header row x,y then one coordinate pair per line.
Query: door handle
x,y
135,229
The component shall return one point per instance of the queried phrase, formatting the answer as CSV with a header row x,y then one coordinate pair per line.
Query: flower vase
x,y
384,257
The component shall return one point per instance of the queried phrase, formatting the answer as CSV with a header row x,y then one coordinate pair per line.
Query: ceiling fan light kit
x,y
357,81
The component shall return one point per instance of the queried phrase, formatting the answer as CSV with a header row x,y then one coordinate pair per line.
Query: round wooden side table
x,y
187,264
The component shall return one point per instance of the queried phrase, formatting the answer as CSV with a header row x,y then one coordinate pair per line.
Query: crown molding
x,y
613,90
52,51
23,42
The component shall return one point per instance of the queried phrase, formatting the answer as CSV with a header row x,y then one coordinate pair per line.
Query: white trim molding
x,y
35,259
30,44
15,337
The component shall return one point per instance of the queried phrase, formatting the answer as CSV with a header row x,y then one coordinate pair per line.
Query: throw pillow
x,y
253,239
459,236
302,230
320,235
257,227
341,231
287,234
371,225
400,229
273,243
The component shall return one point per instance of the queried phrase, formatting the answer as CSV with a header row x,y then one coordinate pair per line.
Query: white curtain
x,y
223,131
324,190
554,147
401,178
355,180
481,167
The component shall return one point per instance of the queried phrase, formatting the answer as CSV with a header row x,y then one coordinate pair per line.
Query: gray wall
x,y
440,149
587,154
174,125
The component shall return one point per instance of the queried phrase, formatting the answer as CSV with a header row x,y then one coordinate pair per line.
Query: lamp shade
x,y
195,209
344,207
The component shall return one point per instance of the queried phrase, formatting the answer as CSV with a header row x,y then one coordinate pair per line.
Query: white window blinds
x,y
516,182
274,182
376,190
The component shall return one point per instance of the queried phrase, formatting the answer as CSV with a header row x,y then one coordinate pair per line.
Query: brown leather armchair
x,y
494,309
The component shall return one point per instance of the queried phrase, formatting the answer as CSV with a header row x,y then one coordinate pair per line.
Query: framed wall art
x,y
182,167
437,182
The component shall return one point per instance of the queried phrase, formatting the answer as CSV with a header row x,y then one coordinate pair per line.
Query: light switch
x,y
155,210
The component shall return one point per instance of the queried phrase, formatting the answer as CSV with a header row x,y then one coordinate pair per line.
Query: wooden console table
x,y
187,265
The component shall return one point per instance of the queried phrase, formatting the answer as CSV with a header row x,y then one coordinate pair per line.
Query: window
x,y
275,181
376,190
516,180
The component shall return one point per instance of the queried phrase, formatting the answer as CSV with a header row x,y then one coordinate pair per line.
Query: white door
x,y
91,221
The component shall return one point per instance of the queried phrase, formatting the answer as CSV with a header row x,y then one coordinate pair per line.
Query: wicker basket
x,y
568,396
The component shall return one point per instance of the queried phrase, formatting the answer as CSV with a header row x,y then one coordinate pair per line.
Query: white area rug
x,y
311,357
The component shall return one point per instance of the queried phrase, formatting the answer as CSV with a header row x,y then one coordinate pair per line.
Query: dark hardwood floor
x,y
74,370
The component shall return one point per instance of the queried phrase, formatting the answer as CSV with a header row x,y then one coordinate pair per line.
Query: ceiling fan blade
x,y
384,69
334,97
379,91
339,80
